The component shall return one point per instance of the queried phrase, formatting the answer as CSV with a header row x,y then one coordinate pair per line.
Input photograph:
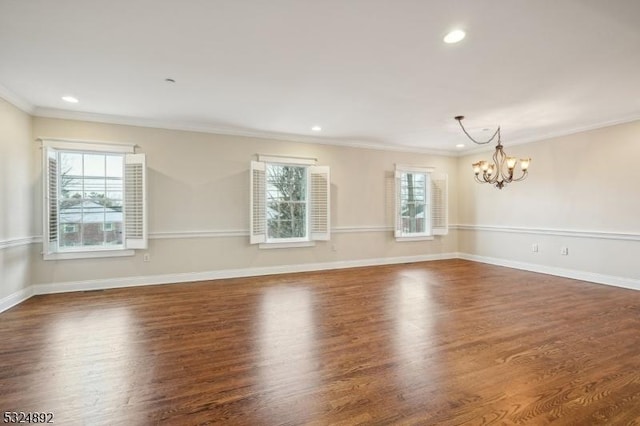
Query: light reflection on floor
x,y
94,349
287,347
413,310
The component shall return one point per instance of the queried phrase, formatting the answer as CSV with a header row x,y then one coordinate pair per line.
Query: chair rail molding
x,y
596,234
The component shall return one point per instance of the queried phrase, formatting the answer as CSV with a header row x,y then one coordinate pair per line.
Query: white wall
x,y
16,202
199,201
583,193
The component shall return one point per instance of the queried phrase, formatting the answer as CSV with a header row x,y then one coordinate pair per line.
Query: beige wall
x,y
585,186
582,194
16,199
200,183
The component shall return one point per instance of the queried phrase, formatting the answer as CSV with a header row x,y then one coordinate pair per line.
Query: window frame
x,y
317,206
437,205
51,248
292,240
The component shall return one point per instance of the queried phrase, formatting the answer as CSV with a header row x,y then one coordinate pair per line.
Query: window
x,y
286,202
94,195
289,201
70,228
420,203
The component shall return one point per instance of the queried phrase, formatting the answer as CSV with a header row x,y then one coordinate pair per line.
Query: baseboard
x,y
16,298
103,284
611,280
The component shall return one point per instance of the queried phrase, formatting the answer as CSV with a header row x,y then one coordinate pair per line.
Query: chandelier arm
x,y
523,177
497,133
498,159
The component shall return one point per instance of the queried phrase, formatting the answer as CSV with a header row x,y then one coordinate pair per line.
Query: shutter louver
x,y
135,209
398,205
320,192
51,182
257,210
439,204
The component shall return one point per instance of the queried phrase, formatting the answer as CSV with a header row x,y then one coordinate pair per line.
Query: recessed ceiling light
x,y
460,145
316,128
70,99
454,36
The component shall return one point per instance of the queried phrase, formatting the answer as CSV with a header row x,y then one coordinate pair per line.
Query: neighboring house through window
x,y
95,195
289,202
421,203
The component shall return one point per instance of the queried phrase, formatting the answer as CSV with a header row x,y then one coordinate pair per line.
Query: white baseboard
x,y
16,298
227,273
102,284
611,280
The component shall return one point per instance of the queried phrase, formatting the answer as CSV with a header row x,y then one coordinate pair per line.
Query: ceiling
x,y
370,72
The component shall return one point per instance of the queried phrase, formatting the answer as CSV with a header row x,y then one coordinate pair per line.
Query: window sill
x,y
287,245
416,238
88,254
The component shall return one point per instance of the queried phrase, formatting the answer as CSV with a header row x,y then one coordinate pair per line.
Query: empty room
x,y
334,212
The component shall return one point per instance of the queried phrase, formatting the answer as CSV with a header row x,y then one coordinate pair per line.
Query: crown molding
x,y
16,100
36,111
552,135
211,129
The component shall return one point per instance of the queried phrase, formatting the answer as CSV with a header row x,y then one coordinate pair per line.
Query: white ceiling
x,y
370,72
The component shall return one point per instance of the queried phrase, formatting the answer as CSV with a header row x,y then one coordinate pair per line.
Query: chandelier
x,y
495,172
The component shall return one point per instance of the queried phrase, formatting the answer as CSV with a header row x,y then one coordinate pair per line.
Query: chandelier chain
x,y
497,133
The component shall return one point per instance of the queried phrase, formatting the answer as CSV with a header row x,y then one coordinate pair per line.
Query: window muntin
x,y
286,203
414,211
90,195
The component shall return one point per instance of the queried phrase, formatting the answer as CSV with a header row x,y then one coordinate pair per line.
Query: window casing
x,y
421,203
94,199
289,202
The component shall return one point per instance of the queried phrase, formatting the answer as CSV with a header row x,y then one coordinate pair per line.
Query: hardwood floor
x,y
446,342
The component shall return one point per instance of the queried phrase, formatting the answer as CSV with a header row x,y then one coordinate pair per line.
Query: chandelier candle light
x,y
495,173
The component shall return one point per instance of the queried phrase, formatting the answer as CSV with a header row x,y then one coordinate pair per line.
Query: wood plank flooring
x,y
446,342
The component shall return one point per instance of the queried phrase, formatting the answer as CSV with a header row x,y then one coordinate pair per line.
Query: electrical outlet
x,y
534,248
564,251
334,248
146,257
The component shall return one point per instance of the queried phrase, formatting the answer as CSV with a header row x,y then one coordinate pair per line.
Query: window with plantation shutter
x,y
289,202
420,203
135,201
51,203
94,200
439,204
319,198
257,209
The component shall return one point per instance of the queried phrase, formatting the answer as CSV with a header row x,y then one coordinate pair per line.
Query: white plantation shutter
x,y
50,226
319,210
398,204
439,204
257,210
135,201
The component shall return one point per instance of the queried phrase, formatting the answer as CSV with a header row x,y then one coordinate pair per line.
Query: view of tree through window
x,y
90,199
286,201
413,200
